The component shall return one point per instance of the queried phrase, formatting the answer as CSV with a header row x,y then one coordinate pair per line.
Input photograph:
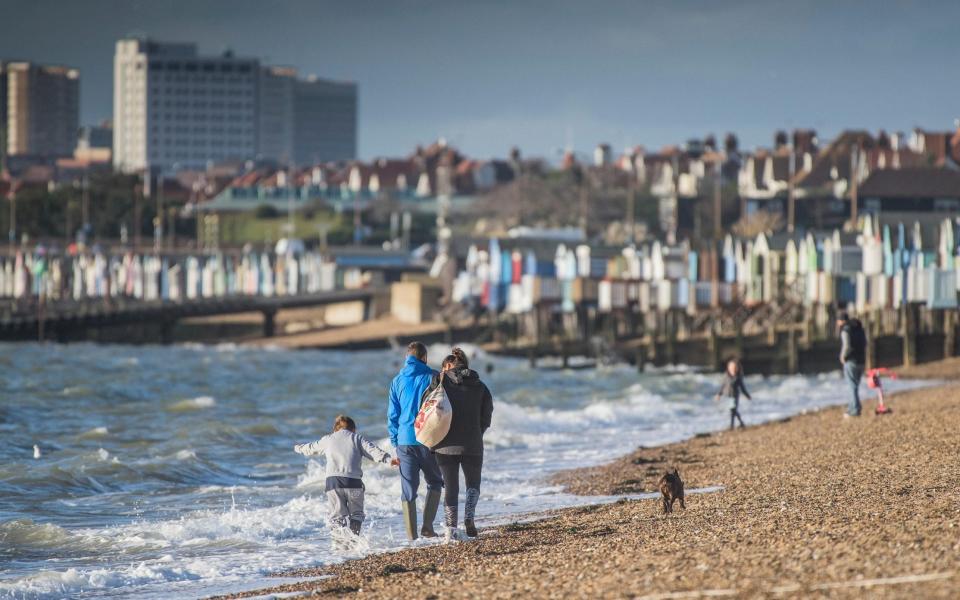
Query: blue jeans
x,y
414,459
852,372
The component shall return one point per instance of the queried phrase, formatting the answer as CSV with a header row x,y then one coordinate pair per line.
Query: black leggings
x,y
735,414
450,465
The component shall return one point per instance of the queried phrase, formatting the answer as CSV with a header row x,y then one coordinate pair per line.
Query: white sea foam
x,y
198,403
96,432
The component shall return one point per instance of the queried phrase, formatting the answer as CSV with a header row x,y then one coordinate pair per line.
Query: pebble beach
x,y
811,506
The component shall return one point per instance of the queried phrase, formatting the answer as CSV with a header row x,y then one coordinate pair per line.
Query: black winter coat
x,y
472,411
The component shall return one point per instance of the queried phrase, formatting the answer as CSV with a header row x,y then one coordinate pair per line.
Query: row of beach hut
x,y
874,267
174,278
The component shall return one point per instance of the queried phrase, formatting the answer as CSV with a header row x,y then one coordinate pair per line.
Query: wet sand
x,y
814,506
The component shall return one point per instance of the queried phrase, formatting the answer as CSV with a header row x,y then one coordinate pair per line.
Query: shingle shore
x,y
814,506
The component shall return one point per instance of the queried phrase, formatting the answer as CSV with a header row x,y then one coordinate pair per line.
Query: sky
x,y
490,74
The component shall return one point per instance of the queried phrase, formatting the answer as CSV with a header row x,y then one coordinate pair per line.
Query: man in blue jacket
x,y
402,408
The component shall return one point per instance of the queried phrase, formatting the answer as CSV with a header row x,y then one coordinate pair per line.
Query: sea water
x,y
167,472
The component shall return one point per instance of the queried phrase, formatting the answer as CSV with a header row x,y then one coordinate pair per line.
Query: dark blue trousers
x,y
414,459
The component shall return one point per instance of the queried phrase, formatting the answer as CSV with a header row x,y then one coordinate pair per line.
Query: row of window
x,y
199,67
202,89
215,81
213,130
196,156
201,117
232,143
201,104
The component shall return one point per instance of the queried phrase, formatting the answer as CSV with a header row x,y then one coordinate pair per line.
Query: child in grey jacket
x,y
344,450
731,388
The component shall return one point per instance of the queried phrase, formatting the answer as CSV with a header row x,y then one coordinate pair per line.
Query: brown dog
x,y
671,488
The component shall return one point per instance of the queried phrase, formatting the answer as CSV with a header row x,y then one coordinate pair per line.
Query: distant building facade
x,y
306,121
176,109
275,124
40,109
94,144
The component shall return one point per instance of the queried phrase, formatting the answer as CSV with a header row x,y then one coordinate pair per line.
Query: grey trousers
x,y
346,504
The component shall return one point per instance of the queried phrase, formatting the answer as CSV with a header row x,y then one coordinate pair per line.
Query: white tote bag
x,y
433,420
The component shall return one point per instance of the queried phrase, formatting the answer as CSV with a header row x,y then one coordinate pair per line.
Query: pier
x,y
154,320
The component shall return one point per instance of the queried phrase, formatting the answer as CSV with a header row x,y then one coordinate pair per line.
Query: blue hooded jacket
x,y
404,402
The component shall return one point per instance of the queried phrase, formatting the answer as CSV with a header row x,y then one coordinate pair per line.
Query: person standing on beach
x,y
462,448
731,388
853,357
403,404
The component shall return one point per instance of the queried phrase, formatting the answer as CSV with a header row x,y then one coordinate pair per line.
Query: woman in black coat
x,y
462,448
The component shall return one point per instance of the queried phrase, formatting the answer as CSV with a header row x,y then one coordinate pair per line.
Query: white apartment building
x,y
174,109
306,121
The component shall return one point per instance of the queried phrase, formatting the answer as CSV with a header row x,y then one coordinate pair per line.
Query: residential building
x,y
764,178
825,188
413,182
924,195
176,109
40,109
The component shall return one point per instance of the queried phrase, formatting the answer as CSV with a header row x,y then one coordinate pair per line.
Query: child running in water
x,y
731,388
344,450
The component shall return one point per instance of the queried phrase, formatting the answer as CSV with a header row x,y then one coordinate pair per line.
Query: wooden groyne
x,y
768,339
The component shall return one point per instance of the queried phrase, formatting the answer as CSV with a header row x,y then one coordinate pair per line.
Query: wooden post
x,y
907,333
713,345
639,358
671,337
738,340
269,323
808,327
41,315
532,357
873,331
538,324
949,333
166,331
793,358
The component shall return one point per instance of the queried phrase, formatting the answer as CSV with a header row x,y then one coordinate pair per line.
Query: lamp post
x,y
198,187
158,220
291,189
631,207
718,201
87,228
791,196
137,191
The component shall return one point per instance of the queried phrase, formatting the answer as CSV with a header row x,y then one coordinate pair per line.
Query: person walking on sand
x,y
853,357
731,388
344,450
403,404
462,447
